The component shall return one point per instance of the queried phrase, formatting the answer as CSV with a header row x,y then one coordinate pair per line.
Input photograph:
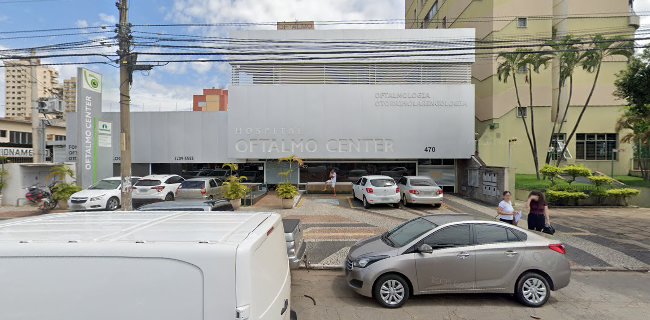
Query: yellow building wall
x,y
493,143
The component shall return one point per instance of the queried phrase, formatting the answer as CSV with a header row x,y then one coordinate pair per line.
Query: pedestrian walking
x,y
505,209
538,217
331,182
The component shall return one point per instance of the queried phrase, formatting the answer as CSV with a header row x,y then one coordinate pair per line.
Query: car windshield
x,y
422,183
382,182
407,232
105,185
193,184
147,183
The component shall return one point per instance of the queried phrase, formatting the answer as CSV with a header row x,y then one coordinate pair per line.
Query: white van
x,y
144,265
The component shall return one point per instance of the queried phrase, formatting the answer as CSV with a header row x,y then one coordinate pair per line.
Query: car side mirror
x,y
425,248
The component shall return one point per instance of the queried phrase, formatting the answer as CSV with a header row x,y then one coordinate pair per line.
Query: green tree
x,y
574,172
591,61
567,52
633,85
511,63
534,62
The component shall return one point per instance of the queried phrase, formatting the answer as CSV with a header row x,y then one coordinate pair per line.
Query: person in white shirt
x,y
505,209
331,182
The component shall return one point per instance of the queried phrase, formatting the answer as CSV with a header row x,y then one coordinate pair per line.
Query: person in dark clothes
x,y
538,217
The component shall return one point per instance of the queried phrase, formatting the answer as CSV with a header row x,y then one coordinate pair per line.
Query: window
x,y
59,138
431,14
213,184
522,22
18,137
522,112
408,231
596,146
557,145
522,69
453,236
3,133
486,233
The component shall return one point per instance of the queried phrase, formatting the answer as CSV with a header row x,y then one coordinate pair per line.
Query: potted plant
x,y
234,190
62,190
286,191
3,175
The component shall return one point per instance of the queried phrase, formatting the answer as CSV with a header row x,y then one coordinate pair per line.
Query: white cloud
x,y
218,11
107,18
82,24
201,67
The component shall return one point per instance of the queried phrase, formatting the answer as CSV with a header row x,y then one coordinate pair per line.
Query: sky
x,y
171,87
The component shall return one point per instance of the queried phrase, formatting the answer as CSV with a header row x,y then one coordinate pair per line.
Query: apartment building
x,y
18,87
211,100
504,24
70,94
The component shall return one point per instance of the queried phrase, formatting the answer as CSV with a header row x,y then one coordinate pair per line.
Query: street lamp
x,y
614,153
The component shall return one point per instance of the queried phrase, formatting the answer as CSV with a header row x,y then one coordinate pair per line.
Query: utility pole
x,y
124,52
36,120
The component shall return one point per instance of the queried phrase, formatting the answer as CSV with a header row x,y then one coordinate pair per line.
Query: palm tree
x,y
637,127
509,67
568,55
592,61
535,62
59,173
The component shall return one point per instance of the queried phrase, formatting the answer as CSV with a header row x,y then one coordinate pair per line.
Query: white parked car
x,y
375,190
103,195
157,187
420,189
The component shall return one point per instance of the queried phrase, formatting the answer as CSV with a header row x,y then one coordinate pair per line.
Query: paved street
x,y
591,295
597,238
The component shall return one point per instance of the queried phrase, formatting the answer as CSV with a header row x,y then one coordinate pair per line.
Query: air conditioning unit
x,y
51,106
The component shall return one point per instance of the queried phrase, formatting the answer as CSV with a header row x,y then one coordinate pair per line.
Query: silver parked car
x,y
200,188
448,253
419,189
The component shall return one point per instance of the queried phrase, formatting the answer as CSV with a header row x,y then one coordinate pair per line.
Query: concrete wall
x,y
22,175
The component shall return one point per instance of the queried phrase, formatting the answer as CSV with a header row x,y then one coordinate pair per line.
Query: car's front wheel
x,y
169,197
533,290
112,204
366,204
404,202
391,291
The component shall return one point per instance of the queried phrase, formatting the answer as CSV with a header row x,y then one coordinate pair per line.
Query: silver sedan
x,y
448,253
421,190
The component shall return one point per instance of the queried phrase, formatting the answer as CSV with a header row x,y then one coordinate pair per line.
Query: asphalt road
x,y
591,295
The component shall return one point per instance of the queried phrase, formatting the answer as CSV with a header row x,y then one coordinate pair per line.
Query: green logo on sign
x,y
92,81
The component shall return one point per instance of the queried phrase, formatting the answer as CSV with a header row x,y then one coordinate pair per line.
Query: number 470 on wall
x,y
429,149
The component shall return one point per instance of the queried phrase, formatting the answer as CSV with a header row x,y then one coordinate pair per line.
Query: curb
x,y
577,268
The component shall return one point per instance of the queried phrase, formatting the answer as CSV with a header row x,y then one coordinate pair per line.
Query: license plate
x,y
385,198
142,190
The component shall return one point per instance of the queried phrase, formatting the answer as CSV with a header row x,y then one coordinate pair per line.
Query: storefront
x,y
401,115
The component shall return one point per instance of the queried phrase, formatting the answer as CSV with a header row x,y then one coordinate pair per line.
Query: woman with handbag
x,y
538,217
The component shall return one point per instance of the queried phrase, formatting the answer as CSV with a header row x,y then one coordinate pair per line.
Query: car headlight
x,y
366,261
97,197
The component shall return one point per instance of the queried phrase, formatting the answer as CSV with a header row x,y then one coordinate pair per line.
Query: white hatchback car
x,y
420,190
103,195
376,190
157,187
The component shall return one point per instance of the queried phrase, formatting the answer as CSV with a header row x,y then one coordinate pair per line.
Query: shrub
x,y
286,191
600,181
550,172
575,171
63,191
234,189
622,194
565,197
